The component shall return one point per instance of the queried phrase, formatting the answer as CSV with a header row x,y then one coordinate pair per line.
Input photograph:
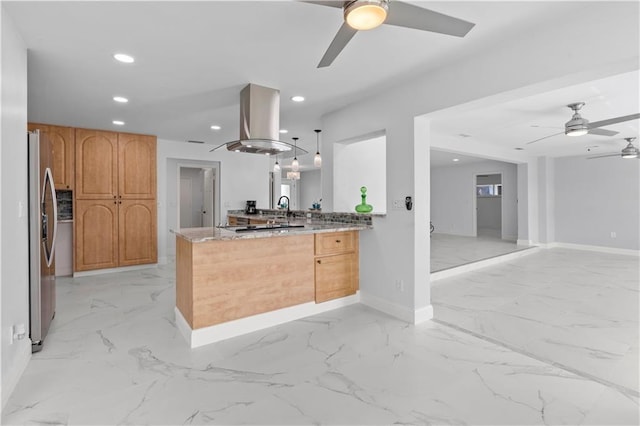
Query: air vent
x,y
464,135
195,141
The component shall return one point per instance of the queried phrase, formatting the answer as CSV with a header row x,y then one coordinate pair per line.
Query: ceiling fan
x,y
579,126
629,151
369,14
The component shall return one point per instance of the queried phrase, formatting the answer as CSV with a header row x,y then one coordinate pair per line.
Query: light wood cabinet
x,y
96,234
96,165
136,166
63,144
118,171
137,242
337,268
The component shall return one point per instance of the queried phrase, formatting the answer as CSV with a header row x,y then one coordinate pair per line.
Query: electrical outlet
x,y
399,286
613,234
398,204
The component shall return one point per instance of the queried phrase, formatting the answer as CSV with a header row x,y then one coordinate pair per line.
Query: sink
x,y
258,228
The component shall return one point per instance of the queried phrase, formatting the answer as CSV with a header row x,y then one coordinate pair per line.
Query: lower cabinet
x,y
109,234
336,265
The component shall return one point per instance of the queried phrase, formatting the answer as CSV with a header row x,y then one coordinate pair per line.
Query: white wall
x,y
453,195
596,197
14,237
310,188
242,177
357,164
601,39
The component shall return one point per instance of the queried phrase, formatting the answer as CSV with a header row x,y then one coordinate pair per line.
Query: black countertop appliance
x,y
251,207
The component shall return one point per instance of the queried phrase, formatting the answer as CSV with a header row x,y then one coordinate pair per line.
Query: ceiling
x,y
193,58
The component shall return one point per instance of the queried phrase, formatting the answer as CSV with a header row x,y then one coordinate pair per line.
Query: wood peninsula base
x,y
228,287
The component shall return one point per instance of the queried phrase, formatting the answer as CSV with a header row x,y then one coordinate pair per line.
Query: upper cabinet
x,y
115,165
136,166
63,144
96,165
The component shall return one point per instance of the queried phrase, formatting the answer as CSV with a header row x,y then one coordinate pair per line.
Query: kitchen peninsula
x,y
237,279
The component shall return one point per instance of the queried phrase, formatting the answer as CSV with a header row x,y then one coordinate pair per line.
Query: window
x,y
489,190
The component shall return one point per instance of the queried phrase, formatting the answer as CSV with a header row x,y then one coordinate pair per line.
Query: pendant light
x,y
295,165
317,160
276,167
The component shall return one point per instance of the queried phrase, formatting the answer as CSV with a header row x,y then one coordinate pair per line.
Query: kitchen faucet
x,y
288,203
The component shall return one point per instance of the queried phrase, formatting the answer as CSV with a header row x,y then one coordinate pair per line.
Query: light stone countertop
x,y
198,235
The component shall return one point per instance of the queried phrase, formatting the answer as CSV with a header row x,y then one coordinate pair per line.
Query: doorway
x,y
488,200
198,196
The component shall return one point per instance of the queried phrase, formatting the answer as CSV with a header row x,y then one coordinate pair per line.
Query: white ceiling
x,y
193,58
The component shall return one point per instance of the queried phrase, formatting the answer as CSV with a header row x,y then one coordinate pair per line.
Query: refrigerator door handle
x,y
48,179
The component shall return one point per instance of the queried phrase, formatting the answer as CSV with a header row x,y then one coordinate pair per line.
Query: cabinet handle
x,y
115,202
119,202
319,261
338,241
114,196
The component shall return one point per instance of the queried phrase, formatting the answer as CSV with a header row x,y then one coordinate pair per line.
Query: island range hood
x,y
260,124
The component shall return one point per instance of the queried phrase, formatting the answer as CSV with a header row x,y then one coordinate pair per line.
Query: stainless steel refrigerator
x,y
43,218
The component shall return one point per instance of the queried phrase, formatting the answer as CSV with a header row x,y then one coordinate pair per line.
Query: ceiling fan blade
x,y
329,3
602,132
546,137
345,33
410,16
602,156
614,121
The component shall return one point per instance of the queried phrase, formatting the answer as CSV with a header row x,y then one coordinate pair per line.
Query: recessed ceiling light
x,y
249,146
118,122
215,127
297,98
122,57
455,160
283,131
120,99
519,149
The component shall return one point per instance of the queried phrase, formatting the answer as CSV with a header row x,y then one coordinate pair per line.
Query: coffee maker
x,y
251,207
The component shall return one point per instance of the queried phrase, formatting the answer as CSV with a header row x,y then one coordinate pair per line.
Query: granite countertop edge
x,y
198,235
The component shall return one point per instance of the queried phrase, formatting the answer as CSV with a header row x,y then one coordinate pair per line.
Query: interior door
x,y
186,203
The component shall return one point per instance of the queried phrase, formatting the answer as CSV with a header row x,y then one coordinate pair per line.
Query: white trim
x,y
398,311
601,249
227,330
439,275
112,270
522,242
10,381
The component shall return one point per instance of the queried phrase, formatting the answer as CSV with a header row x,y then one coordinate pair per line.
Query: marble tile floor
x,y
578,310
449,251
114,356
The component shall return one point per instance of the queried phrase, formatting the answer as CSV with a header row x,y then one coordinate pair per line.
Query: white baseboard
x,y
451,272
601,249
524,242
227,330
22,359
112,270
398,311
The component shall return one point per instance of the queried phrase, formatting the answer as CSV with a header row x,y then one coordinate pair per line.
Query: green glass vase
x,y
363,207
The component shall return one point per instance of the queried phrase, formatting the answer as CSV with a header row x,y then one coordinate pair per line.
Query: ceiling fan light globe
x,y
576,132
630,152
577,126
365,15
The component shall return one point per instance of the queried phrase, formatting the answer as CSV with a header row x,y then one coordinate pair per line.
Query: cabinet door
x,y
63,144
136,166
336,276
96,234
96,164
63,141
138,232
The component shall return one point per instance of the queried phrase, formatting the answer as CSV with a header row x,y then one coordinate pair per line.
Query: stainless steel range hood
x,y
260,124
